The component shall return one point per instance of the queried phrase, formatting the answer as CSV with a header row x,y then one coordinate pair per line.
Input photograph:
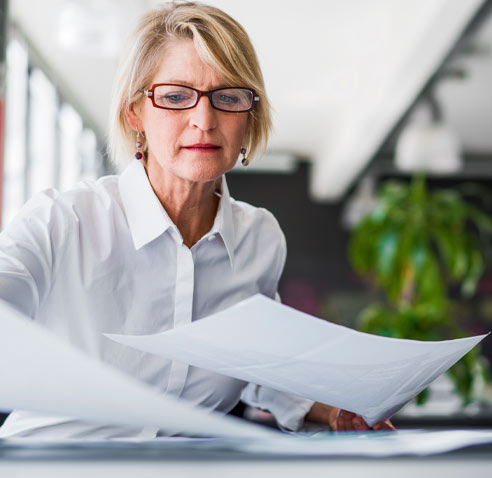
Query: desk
x,y
126,462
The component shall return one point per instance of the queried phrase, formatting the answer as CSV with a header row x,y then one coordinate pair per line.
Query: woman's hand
x,y
342,420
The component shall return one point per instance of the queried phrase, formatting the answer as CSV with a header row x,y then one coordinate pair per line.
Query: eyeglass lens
x,y
180,97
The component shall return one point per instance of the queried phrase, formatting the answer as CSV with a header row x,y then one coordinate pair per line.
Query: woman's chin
x,y
195,170
203,175
203,171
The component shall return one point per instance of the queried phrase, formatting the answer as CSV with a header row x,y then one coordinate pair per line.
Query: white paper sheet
x,y
40,372
267,343
373,444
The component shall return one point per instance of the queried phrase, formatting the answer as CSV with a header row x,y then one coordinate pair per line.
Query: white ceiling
x,y
339,74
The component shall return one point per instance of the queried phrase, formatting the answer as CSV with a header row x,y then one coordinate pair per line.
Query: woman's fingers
x,y
348,421
359,424
344,420
387,425
340,421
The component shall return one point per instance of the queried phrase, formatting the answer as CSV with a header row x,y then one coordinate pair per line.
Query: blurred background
x,y
365,93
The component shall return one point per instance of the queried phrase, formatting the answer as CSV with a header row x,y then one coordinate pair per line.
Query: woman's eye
x,y
228,99
172,98
175,98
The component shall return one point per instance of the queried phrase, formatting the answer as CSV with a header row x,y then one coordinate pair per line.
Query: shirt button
x,y
211,237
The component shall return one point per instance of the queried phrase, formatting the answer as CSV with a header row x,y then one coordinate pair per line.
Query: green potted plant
x,y
417,246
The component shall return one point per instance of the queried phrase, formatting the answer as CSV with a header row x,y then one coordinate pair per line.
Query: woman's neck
x,y
192,206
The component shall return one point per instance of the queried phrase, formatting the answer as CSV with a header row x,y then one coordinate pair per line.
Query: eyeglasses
x,y
178,97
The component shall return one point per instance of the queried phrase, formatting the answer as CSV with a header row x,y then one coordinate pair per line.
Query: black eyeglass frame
x,y
150,94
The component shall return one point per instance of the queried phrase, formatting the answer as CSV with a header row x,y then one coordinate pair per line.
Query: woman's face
x,y
173,136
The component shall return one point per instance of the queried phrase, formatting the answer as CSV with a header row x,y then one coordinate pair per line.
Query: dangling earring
x,y
138,145
245,160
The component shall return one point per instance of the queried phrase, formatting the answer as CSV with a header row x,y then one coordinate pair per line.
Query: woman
x,y
163,244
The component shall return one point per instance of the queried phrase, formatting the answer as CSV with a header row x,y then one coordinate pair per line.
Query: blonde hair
x,y
220,41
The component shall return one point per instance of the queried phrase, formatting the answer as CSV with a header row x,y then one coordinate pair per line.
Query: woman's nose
x,y
203,115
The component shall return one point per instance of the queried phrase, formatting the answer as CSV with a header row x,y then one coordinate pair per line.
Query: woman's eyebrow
x,y
187,83
178,82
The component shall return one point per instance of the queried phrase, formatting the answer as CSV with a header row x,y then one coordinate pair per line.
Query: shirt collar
x,y
224,224
147,218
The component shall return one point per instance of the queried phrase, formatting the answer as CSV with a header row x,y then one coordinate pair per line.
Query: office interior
x,y
363,92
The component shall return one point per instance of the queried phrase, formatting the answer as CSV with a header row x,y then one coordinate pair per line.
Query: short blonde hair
x,y
220,41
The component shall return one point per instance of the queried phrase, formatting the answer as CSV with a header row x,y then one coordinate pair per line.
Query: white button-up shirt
x,y
105,257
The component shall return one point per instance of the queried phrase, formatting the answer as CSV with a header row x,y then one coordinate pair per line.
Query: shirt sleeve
x,y
27,253
289,410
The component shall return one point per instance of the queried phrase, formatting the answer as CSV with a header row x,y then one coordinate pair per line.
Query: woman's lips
x,y
203,147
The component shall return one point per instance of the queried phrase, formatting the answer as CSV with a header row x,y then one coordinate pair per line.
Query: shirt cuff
x,y
289,410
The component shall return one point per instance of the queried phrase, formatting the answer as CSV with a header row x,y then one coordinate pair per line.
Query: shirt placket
x,y
183,309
